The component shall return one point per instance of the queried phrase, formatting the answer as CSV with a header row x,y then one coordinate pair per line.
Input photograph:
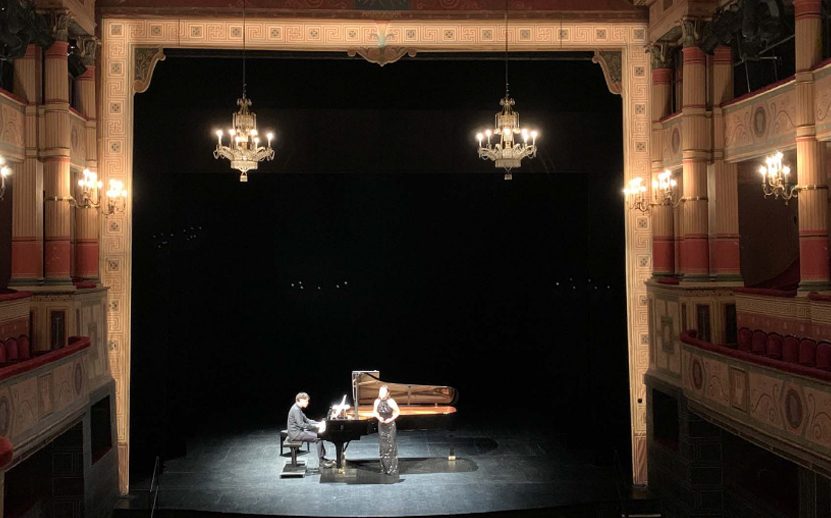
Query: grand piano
x,y
423,407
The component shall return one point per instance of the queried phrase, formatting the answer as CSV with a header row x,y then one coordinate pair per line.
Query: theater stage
x,y
498,468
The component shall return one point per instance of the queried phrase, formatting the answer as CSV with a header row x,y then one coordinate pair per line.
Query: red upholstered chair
x,y
758,342
824,356
744,339
11,350
773,346
790,349
807,352
23,347
2,352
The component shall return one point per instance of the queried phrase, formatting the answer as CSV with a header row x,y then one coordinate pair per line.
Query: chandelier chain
x,y
506,48
243,49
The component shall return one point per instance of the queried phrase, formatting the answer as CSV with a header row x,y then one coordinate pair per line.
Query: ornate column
x,y
27,206
725,265
813,204
663,228
56,178
695,147
86,220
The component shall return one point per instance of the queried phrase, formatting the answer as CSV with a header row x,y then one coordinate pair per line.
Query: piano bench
x,y
296,468
283,436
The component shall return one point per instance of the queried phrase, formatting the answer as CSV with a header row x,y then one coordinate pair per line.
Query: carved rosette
x,y
382,55
611,64
145,62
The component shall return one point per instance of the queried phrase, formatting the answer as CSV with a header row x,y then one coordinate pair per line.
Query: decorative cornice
x,y
611,63
145,63
353,14
382,55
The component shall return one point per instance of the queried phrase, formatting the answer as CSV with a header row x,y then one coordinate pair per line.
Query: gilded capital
x,y
58,22
87,47
661,54
691,31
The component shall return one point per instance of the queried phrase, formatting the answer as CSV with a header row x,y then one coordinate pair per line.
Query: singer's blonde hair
x,y
382,387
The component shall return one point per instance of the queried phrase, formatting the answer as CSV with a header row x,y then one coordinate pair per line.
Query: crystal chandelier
x,y
243,149
507,153
5,171
775,179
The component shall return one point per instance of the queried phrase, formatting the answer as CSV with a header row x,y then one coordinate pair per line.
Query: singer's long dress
x,y
387,434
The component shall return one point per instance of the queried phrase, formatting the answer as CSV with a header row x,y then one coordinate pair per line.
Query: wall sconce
x,y
90,197
662,191
116,198
775,179
636,196
664,188
90,187
4,172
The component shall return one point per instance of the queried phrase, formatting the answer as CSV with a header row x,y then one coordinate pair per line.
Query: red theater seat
x,y
11,350
2,352
824,356
773,346
790,349
807,352
758,342
744,339
23,347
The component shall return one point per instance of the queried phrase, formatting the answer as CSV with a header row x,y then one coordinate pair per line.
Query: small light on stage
x,y
451,457
558,284
299,282
345,283
337,286
301,287
608,287
318,287
292,285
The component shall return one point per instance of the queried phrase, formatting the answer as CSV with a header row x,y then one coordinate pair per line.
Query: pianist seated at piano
x,y
386,411
301,428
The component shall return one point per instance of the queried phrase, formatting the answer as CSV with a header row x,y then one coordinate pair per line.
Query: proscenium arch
x,y
132,46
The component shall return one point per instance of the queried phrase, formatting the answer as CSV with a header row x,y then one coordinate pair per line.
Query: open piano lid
x,y
365,386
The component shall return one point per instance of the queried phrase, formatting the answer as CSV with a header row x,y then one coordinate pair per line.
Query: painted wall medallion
x,y
760,121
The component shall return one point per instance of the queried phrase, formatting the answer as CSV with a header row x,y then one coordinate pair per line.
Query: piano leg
x,y
451,427
339,448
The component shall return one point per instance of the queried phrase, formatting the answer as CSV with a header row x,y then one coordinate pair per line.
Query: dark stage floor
x,y
498,468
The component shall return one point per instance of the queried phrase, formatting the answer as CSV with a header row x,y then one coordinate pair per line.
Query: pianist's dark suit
x,y
301,428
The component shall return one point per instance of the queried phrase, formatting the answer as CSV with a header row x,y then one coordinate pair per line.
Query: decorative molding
x,y
145,63
610,63
119,69
382,55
